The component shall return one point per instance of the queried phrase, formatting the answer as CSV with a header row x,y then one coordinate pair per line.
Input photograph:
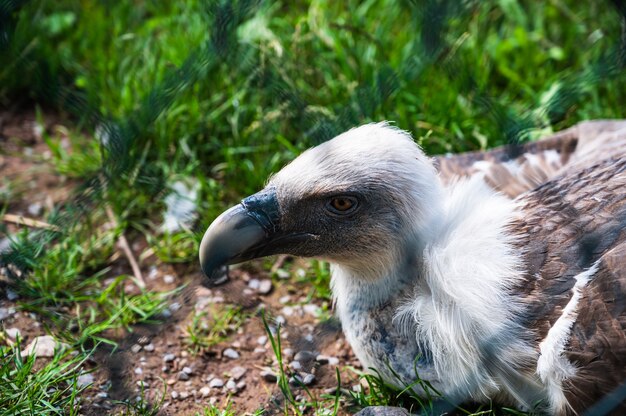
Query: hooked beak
x,y
244,232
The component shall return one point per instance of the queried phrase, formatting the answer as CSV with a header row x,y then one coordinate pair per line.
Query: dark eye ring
x,y
342,205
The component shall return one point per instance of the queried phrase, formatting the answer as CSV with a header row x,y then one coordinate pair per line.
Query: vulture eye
x,y
342,205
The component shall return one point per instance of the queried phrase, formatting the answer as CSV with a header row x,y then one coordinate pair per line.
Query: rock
x,y
325,359
135,348
295,380
287,310
138,371
144,340
254,284
230,353
284,299
84,380
13,333
205,391
149,347
168,358
295,365
269,375
12,295
265,286
231,386
312,310
216,383
238,372
383,411
43,346
35,209
187,370
282,274
168,279
288,353
304,356
174,394
171,382
183,376
308,379
184,395
241,385
261,340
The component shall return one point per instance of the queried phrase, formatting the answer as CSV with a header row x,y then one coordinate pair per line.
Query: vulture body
x,y
517,296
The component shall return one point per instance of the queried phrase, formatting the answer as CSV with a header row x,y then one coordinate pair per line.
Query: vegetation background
x,y
216,95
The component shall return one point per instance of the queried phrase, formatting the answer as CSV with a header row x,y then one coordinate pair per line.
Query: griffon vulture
x,y
485,296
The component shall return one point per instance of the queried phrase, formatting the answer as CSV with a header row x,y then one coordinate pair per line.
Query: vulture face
x,y
353,200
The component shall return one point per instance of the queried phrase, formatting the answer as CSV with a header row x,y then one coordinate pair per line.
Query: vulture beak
x,y
244,232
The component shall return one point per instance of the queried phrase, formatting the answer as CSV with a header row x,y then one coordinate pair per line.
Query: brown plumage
x,y
514,169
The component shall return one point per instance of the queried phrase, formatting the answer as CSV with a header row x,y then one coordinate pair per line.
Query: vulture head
x,y
357,201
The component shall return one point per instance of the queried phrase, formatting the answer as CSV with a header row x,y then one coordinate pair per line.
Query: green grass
x,y
150,93
208,329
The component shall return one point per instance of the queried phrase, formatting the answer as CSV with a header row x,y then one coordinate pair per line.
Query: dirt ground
x,y
157,358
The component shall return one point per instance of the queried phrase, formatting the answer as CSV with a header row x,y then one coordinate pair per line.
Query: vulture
x,y
488,276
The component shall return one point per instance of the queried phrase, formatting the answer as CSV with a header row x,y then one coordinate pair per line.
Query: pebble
x,y
43,346
268,375
261,340
288,353
6,312
230,353
241,385
174,394
231,386
383,411
295,380
135,348
265,286
143,340
205,391
168,358
168,279
280,320
171,382
187,370
282,274
287,310
254,284
312,309
304,356
308,379
138,371
35,209
149,347
295,365
184,395
238,372
325,359
183,376
84,380
12,295
285,299
216,383
13,333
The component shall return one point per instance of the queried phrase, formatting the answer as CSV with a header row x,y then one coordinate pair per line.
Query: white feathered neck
x,y
457,303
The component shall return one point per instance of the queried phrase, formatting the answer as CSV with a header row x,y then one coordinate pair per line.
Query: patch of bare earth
x,y
158,359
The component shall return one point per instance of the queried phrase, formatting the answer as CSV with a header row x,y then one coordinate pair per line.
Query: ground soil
x,y
140,357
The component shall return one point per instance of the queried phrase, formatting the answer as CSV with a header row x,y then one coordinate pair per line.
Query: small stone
x,y
183,376
184,395
175,306
187,370
285,299
288,353
143,340
12,295
231,385
174,394
205,391
149,347
282,274
241,385
230,353
259,350
254,284
268,375
43,346
84,380
261,340
304,356
216,383
135,348
152,274
102,395
265,286
383,411
295,380
308,379
138,371
295,365
325,359
168,358
287,310
168,279
280,320
13,333
238,372
312,310
171,382
35,209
